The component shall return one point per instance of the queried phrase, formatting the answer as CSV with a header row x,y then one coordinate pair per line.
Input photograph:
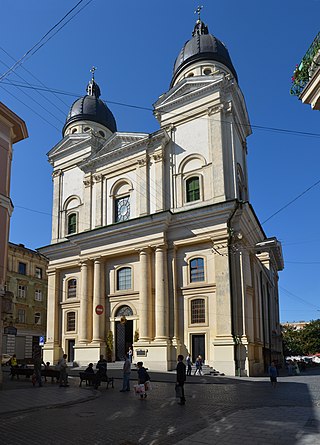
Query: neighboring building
x,y
154,238
296,325
12,130
27,287
306,77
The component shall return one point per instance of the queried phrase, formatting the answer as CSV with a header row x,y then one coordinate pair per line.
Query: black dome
x,y
202,46
91,108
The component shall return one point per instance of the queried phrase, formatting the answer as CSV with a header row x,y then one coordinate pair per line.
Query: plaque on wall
x,y
141,352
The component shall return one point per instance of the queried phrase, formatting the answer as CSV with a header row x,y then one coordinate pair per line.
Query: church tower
x,y
155,244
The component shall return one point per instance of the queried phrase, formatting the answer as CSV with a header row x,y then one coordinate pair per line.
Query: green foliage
x,y
305,341
109,344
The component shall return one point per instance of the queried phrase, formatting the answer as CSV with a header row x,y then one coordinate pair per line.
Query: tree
x,y
305,341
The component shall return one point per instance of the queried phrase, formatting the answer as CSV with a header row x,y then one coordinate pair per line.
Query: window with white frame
x,y
38,295
22,291
121,193
196,270
37,318
71,321
38,272
193,189
198,312
72,223
21,316
124,278
72,288
122,208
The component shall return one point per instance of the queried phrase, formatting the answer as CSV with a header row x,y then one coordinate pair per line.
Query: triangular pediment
x,y
186,90
70,142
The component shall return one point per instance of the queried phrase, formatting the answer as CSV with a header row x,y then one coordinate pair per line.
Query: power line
x,y
39,45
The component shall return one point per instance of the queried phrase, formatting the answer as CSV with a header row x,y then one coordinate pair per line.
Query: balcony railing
x,y
303,72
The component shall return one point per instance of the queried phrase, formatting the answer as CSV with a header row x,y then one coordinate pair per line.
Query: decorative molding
x,y
56,173
142,162
157,157
97,177
215,109
87,182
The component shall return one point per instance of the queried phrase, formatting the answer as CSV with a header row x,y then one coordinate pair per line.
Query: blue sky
x,y
134,46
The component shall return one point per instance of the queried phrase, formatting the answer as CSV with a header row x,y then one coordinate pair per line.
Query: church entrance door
x,y
124,338
198,346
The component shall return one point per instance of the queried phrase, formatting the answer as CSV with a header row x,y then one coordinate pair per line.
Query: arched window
x,y
37,318
72,288
72,223
196,270
124,280
124,311
71,321
198,312
122,194
193,189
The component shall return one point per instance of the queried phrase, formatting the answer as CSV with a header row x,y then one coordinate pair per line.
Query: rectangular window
x,y
38,273
122,209
198,311
124,278
21,316
22,268
38,295
193,189
71,321
22,291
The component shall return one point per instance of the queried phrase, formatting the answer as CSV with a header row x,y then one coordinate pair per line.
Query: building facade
x,y
306,77
26,286
155,244
12,130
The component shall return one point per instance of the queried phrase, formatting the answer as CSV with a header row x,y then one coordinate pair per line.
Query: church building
x,y
155,244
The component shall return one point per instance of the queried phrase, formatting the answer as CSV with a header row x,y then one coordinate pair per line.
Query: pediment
x,y
186,90
70,142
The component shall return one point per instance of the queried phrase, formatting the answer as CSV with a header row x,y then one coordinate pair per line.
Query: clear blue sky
x,y
134,45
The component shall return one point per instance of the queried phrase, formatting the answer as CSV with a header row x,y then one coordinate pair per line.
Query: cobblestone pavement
x,y
218,411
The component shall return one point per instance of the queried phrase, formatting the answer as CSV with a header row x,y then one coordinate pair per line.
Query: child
x,y
272,371
143,377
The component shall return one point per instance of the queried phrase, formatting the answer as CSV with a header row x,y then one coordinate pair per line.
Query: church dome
x,y
202,46
91,108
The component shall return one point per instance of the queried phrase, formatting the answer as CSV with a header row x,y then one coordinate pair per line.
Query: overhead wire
x,y
39,45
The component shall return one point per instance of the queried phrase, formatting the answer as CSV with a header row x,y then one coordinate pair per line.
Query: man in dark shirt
x,y
181,378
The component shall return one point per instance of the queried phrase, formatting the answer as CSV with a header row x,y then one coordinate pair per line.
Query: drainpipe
x,y
234,336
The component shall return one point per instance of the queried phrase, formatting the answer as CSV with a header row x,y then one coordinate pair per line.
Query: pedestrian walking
x,y
198,365
181,378
126,374
189,363
272,371
37,362
143,378
63,368
130,354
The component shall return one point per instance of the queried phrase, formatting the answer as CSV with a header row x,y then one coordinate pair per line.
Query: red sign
x,y
99,309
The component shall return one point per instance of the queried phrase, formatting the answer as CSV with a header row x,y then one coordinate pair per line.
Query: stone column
x,y
51,348
56,207
159,181
96,334
85,224
176,333
143,189
98,189
83,331
144,334
161,293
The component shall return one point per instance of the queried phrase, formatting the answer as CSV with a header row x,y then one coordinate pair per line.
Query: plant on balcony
x,y
302,72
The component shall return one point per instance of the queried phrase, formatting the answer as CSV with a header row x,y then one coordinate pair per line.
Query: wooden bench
x,y
91,379
28,372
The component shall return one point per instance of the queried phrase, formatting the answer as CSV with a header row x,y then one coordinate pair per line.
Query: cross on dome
x,y
198,11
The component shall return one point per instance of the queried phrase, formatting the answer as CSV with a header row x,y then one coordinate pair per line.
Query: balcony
x,y
306,76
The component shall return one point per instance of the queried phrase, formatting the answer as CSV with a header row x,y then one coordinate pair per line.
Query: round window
x,y
207,71
190,75
102,134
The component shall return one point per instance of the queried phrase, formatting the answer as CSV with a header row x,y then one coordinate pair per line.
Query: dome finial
x,y
198,11
92,71
200,28
93,88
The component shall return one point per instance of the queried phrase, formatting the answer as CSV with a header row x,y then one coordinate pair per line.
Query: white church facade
x,y
154,242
